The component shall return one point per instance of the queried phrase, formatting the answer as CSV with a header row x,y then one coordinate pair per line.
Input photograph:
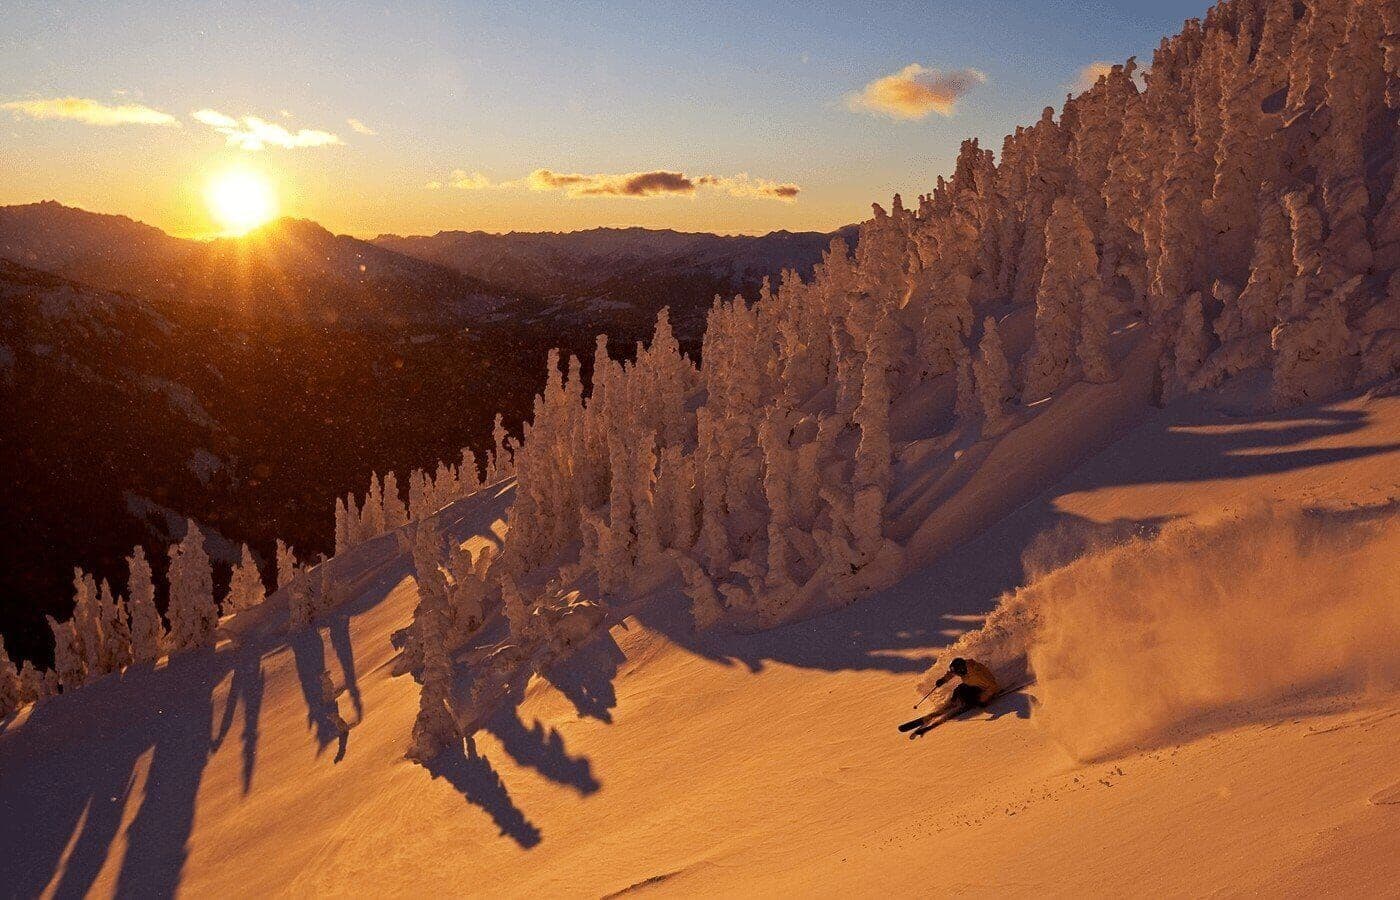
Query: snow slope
x,y
656,761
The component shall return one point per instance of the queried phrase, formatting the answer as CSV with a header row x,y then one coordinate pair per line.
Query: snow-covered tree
x,y
395,513
373,515
147,628
89,640
246,588
287,568
1311,350
342,527
1068,282
116,630
435,728
36,685
11,694
192,612
67,656
993,374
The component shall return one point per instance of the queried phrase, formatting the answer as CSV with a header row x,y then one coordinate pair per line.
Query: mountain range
x,y
243,381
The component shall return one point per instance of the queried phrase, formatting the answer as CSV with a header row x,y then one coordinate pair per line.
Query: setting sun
x,y
240,200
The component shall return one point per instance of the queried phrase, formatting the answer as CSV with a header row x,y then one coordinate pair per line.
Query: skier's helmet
x,y
959,666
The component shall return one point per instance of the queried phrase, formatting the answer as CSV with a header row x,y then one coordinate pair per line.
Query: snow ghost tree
x,y
67,658
436,727
993,372
1068,282
193,615
395,513
246,588
10,694
147,628
287,569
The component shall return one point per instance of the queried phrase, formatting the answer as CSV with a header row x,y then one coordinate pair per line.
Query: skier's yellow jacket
x,y
978,676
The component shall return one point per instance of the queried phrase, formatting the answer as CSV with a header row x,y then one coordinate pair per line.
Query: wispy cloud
x,y
1090,74
659,183
253,133
469,181
630,184
90,112
635,185
742,185
915,91
360,127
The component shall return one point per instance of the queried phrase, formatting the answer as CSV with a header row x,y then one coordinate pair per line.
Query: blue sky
x,y
502,90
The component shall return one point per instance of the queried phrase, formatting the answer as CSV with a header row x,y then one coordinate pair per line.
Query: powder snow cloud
x,y
915,91
91,112
253,133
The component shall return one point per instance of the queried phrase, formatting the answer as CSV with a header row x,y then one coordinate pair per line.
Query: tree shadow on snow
x,y
61,812
479,784
70,775
586,676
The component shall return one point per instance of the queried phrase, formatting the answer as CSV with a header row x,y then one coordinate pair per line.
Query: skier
x,y
978,688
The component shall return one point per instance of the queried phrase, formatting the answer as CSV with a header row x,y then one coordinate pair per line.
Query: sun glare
x,y
240,200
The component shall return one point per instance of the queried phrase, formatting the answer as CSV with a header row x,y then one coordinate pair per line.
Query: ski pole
x,y
926,696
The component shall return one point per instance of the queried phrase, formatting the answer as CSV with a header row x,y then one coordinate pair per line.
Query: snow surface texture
x,y
738,764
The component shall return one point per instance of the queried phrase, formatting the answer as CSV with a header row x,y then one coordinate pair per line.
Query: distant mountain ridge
x,y
613,279
244,382
290,268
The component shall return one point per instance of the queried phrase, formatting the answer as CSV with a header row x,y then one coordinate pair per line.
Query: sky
x,y
415,117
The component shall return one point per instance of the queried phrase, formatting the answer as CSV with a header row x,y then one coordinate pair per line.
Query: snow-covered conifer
x,y
427,566
246,588
1192,341
419,503
519,612
373,516
35,685
147,628
395,513
342,527
1069,280
436,727
286,564
468,474
1311,349
90,641
872,463
116,630
993,374
192,612
67,656
11,694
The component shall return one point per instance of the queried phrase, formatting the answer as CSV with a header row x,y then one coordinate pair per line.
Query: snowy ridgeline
x,y
1243,209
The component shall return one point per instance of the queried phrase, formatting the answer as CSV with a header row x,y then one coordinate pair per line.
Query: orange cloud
x,y
253,133
631,184
742,185
915,91
659,183
91,112
360,127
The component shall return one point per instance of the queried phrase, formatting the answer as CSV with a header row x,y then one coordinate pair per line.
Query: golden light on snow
x,y
240,200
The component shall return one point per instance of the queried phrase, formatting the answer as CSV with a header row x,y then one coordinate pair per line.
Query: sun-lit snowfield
x,y
653,760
